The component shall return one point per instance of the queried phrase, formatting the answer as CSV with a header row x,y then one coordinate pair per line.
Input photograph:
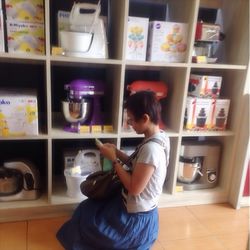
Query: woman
x,y
129,220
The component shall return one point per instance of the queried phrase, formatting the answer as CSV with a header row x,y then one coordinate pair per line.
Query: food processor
x,y
198,164
83,104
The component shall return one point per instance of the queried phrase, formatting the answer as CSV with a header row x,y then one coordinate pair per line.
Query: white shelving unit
x,y
48,74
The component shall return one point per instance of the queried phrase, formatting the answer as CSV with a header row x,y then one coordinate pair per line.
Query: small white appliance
x,y
85,162
87,34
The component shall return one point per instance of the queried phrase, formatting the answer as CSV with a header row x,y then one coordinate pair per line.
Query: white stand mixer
x,y
87,35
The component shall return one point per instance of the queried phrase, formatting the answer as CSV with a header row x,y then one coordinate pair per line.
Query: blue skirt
x,y
107,225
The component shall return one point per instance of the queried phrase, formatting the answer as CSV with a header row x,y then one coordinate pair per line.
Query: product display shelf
x,y
117,71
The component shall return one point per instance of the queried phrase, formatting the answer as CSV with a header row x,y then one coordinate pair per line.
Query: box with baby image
x,y
167,41
220,114
18,113
25,37
198,113
25,10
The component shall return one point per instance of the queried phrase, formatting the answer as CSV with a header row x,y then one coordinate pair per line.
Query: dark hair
x,y
144,102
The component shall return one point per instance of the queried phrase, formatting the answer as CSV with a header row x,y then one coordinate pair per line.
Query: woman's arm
x,y
136,181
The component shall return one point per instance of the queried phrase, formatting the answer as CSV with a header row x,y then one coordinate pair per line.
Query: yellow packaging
x,y
25,37
25,10
18,114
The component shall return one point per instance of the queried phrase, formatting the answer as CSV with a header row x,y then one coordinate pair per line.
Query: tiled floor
x,y
204,227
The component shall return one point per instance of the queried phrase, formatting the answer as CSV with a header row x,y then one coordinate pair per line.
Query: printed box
x,y
198,113
204,85
25,10
167,41
207,32
62,23
25,37
18,114
220,114
137,35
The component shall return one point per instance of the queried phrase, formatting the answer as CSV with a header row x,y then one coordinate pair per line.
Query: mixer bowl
x,y
76,111
189,169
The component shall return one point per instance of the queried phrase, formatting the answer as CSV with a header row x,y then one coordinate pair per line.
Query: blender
x,y
83,104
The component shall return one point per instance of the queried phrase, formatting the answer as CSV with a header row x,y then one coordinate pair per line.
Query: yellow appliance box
x,y
18,114
25,10
25,37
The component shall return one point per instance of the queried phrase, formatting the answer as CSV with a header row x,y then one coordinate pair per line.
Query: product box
x,y
198,113
62,22
25,37
167,41
18,114
25,10
220,114
137,36
204,85
2,43
207,32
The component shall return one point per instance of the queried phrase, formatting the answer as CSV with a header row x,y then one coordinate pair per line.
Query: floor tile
x,y
198,243
221,218
234,241
42,234
179,223
13,236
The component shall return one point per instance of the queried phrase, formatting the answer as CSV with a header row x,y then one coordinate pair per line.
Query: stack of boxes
x,y
156,41
25,26
205,110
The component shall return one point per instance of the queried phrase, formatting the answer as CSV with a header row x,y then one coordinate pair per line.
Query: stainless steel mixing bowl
x,y
76,111
189,169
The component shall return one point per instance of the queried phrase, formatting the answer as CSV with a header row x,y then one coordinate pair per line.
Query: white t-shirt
x,y
157,155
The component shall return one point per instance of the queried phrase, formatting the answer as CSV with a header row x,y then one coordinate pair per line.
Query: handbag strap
x,y
133,155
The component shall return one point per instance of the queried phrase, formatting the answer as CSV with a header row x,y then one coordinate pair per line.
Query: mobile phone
x,y
98,142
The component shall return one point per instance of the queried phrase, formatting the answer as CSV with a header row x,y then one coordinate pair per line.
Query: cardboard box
x,y
207,32
137,35
25,37
18,114
25,10
167,41
204,85
62,23
198,113
220,114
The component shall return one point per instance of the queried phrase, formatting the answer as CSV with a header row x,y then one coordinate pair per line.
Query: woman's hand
x,y
108,150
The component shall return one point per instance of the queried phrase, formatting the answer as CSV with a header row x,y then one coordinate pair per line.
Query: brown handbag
x,y
101,185
104,184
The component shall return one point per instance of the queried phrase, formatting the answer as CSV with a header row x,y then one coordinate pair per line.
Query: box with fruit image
x,y
220,114
167,41
198,113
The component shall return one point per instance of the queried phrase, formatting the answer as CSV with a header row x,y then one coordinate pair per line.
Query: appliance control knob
x,y
211,177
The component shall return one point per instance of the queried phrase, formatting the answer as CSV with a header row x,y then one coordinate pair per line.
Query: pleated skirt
x,y
107,225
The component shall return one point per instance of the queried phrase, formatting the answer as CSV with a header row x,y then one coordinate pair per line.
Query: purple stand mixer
x,y
82,105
